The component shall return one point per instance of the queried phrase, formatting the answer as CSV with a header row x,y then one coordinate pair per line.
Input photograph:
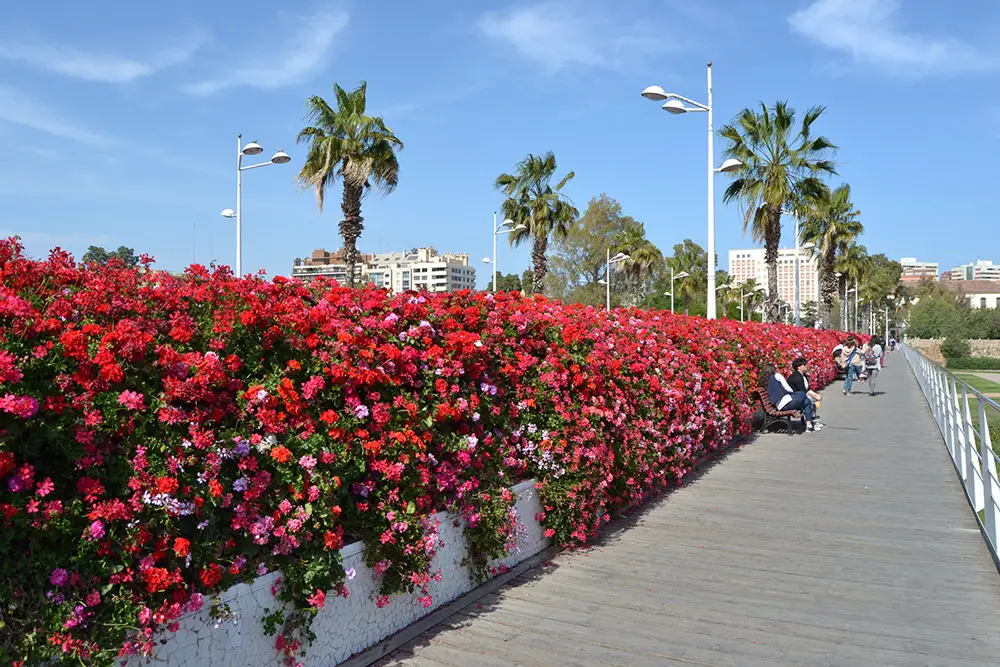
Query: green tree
x,y
98,255
644,261
810,314
934,317
348,145
690,257
779,170
528,282
506,282
852,264
831,222
541,207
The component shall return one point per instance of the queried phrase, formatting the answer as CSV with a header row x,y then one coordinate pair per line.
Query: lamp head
x,y
228,213
730,165
486,260
521,227
675,107
654,93
281,157
253,148
682,274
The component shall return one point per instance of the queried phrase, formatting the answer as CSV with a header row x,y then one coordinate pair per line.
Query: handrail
x,y
969,444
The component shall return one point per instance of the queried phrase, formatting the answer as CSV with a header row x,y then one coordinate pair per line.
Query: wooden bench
x,y
772,415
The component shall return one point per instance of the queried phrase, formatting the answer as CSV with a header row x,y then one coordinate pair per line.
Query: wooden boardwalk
x,y
853,546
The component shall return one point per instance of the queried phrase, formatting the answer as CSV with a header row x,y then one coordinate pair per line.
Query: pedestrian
x,y
873,365
852,362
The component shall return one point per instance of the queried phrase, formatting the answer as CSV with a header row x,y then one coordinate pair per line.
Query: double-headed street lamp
x,y
253,148
682,274
505,227
620,257
675,104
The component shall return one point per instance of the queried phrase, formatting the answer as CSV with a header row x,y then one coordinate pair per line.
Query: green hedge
x,y
974,364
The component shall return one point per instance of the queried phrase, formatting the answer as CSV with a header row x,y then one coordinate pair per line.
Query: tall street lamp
x,y
682,274
620,257
847,324
675,104
505,227
888,299
253,148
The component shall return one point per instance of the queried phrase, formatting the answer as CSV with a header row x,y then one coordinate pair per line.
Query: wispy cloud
x,y
308,48
869,32
93,66
559,34
19,109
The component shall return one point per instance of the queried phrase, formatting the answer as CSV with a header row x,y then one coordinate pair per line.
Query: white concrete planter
x,y
345,626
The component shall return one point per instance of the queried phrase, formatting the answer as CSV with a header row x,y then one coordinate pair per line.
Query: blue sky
x,y
119,122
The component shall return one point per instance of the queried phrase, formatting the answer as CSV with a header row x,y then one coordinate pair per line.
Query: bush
x,y
974,364
165,437
954,347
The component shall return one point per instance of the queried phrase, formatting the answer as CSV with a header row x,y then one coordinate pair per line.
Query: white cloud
x,y
307,49
869,31
563,33
20,109
99,67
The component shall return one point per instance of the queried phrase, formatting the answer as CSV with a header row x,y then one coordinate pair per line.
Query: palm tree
x,y
752,294
779,169
692,258
831,222
346,143
644,259
542,208
852,264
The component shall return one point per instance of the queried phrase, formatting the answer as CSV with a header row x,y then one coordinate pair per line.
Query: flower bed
x,y
165,438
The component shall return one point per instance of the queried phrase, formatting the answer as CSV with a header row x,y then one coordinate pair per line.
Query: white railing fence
x,y
967,437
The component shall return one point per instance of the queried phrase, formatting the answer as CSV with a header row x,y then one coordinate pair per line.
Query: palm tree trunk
x,y
829,289
350,227
771,242
540,264
687,304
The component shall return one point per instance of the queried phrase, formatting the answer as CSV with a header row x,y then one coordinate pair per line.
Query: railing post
x,y
973,473
949,418
991,487
961,450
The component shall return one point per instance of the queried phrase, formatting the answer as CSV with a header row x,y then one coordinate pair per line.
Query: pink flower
x,y
58,577
45,487
317,599
131,400
145,615
95,531
308,462
93,599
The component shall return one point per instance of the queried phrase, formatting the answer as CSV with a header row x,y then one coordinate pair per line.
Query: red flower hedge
x,y
166,437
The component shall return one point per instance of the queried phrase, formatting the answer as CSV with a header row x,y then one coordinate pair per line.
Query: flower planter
x,y
345,626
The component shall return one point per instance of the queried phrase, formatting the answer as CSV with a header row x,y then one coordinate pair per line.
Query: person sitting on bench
x,y
785,398
799,382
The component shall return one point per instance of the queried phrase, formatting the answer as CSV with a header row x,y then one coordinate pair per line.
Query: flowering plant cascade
x,y
165,437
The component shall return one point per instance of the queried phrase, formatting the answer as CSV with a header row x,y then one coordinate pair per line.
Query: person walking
x,y
873,365
852,363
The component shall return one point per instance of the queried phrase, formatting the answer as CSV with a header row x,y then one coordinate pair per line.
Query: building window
x,y
982,302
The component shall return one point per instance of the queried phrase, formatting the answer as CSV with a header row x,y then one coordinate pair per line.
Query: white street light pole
x,y
620,257
682,274
253,148
856,302
505,227
675,104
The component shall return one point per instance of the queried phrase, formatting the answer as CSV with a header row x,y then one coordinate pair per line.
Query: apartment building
x,y
746,264
981,269
419,268
915,271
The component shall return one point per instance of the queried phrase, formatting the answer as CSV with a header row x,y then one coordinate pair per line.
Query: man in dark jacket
x,y
799,381
784,398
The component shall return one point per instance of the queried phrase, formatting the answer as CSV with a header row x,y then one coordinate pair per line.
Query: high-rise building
x,y
420,268
749,263
981,269
914,271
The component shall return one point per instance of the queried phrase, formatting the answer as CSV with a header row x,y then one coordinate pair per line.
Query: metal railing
x,y
968,438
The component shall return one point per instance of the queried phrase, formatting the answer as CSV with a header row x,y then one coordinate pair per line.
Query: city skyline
x,y
154,113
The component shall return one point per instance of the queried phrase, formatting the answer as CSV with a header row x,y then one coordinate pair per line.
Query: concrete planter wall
x,y
931,348
345,626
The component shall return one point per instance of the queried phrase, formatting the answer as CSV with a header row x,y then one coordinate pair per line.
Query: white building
x,y
914,271
420,268
977,293
749,263
982,269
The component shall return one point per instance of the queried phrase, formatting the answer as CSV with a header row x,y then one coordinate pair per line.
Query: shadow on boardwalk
x,y
852,546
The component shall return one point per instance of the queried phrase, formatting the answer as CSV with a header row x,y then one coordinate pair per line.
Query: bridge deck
x,y
853,546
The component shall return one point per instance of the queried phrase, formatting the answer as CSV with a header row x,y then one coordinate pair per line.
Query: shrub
x,y
165,437
954,347
974,364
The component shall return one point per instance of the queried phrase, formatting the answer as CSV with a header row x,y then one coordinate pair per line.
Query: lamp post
x,y
846,313
682,274
675,104
857,297
620,257
888,299
505,227
759,288
253,148
798,276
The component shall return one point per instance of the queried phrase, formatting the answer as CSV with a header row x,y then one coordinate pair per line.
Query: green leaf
x,y
410,507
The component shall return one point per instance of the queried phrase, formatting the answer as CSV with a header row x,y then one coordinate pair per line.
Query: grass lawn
x,y
980,384
992,418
